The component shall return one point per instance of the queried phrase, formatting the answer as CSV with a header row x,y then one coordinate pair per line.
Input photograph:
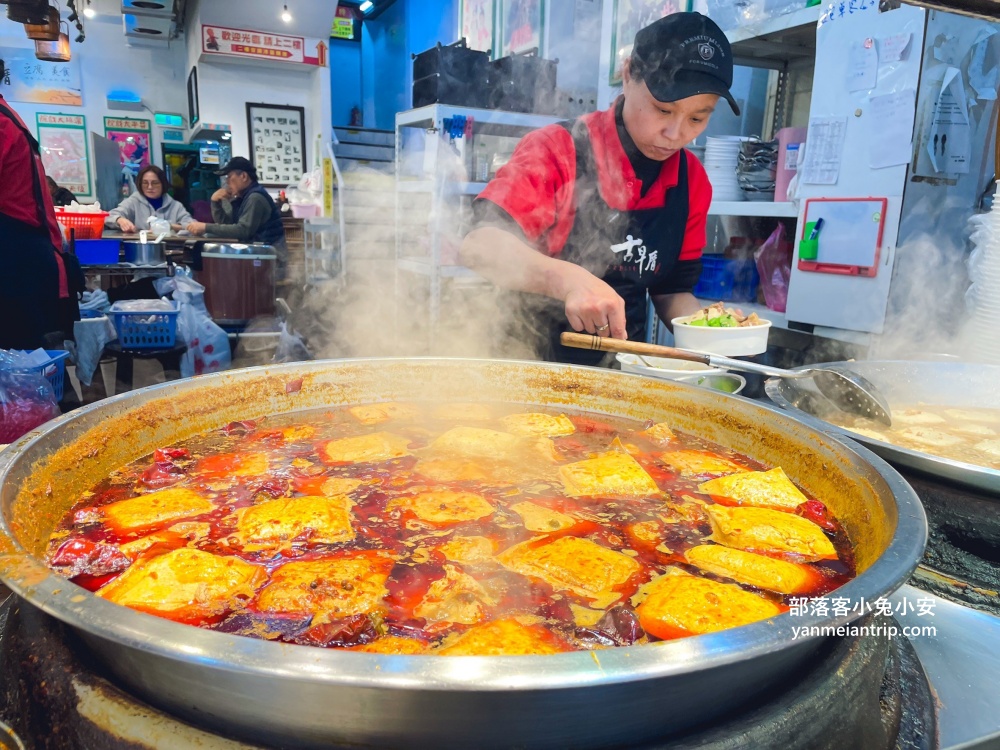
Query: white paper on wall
x,y
889,119
824,150
949,140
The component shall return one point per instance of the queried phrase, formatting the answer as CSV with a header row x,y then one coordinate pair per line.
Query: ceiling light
x,y
89,12
286,16
366,6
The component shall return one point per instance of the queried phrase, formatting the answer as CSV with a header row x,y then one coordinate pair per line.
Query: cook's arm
x,y
511,263
670,306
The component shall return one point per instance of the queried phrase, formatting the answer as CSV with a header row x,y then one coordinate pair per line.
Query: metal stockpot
x,y
297,696
145,253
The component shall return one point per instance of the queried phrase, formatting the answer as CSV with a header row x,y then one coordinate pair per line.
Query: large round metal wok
x,y
905,383
303,696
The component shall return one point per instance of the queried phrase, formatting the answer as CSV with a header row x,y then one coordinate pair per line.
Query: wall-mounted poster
x,y
630,16
277,143
194,110
134,138
63,143
521,24
31,80
476,23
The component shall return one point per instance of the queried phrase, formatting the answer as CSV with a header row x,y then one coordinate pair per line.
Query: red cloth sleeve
x,y
536,187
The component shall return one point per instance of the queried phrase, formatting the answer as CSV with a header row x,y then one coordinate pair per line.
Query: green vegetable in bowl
x,y
719,316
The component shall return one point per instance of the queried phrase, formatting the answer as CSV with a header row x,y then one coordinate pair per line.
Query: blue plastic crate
x,y
146,330
727,279
54,370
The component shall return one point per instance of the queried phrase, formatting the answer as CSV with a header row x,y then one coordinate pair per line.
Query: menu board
x,y
133,138
62,139
277,143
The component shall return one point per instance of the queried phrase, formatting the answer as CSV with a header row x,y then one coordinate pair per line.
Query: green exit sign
x,y
168,120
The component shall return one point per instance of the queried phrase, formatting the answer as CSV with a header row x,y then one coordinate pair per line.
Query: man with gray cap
x,y
245,211
591,216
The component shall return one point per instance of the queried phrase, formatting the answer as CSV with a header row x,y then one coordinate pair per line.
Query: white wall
x,y
108,64
225,88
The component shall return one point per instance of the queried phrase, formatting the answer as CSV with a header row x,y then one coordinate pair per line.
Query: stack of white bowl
x,y
983,297
721,153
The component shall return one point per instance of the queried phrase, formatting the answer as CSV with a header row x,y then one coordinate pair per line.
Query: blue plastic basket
x,y
54,370
97,252
728,279
146,330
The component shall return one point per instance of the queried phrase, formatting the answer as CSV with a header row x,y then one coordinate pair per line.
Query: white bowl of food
x,y
664,368
718,329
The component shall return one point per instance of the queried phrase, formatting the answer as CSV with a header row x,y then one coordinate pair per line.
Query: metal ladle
x,y
848,390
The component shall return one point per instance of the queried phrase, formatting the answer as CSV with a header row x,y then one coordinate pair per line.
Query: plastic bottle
x,y
482,171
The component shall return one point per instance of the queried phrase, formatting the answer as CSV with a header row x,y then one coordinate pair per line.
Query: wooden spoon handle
x,y
606,344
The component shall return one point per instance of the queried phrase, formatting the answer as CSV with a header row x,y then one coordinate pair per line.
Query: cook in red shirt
x,y
32,275
590,216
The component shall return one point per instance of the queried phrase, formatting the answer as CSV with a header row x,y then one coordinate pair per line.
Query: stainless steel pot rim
x,y
30,578
975,475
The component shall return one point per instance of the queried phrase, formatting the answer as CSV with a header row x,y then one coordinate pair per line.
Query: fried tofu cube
x,y
366,449
677,604
187,585
765,489
463,412
180,534
754,570
372,414
660,433
476,442
393,645
154,509
690,463
339,486
541,425
295,433
444,469
468,550
571,564
929,437
503,638
456,598
234,465
445,507
609,474
326,520
539,518
766,530
329,588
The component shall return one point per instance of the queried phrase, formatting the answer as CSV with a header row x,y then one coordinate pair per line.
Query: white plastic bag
x,y
207,344
291,347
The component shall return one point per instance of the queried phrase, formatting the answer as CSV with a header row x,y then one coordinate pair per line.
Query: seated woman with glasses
x,y
149,201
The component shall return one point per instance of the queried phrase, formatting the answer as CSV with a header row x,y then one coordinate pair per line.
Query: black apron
x,y
633,251
29,272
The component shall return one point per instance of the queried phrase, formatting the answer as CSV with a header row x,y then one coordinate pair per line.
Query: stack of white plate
x,y
983,297
721,153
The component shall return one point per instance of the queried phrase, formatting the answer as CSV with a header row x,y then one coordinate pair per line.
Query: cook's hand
x,y
125,225
220,194
593,306
196,227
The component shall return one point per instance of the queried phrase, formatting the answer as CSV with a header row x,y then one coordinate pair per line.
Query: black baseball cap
x,y
682,55
239,164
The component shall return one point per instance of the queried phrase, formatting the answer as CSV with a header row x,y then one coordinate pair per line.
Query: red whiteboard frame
x,y
837,268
